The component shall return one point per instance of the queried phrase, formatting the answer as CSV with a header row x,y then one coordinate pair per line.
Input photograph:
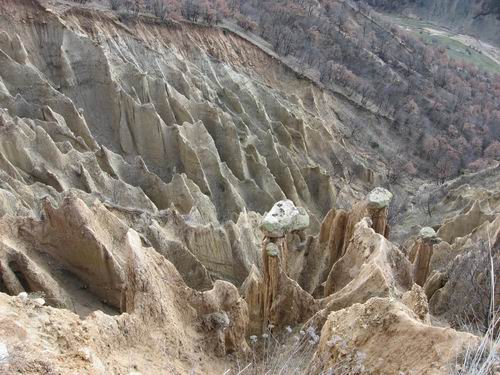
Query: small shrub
x,y
289,352
483,358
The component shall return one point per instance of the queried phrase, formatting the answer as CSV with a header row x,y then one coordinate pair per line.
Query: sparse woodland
x,y
448,112
480,7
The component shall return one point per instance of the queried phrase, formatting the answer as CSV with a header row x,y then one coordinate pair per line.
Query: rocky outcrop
x,y
463,224
151,121
178,109
114,271
135,163
434,205
335,234
272,296
224,314
138,162
420,254
338,228
416,300
74,236
460,290
459,270
378,336
372,266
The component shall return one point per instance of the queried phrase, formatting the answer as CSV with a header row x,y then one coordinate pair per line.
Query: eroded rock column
x,y
273,297
377,206
338,227
283,218
271,252
421,253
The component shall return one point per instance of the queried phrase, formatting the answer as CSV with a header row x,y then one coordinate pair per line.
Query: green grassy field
x,y
456,49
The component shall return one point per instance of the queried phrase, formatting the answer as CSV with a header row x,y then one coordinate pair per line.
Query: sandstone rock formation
x,y
463,224
144,117
360,339
371,266
138,162
338,229
421,253
273,297
461,290
79,266
135,162
458,283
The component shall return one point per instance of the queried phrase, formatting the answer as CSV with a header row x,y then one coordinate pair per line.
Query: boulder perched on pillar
x,y
337,230
272,296
421,253
283,218
379,198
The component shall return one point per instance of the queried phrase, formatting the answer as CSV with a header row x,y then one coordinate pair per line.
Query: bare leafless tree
x,y
157,7
477,269
398,206
191,10
115,4
427,203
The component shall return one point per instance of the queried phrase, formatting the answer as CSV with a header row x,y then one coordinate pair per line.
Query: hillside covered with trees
x,y
480,18
445,113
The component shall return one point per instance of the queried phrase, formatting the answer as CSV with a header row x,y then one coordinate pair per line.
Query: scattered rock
x,y
23,296
39,301
429,234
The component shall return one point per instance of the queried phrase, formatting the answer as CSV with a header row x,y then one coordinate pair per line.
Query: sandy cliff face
x,y
130,153
155,117
136,162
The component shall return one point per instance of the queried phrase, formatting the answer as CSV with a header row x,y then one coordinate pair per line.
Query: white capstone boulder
x,y
283,218
429,234
379,198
